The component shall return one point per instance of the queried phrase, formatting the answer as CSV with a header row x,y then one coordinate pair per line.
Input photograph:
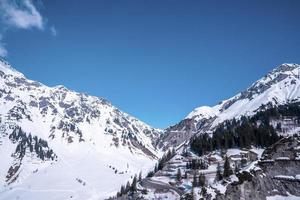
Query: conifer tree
x,y
119,194
227,168
140,176
201,181
155,168
219,173
122,191
134,184
203,191
127,188
236,168
178,176
195,182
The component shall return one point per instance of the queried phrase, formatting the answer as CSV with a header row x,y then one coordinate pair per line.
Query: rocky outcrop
x,y
275,174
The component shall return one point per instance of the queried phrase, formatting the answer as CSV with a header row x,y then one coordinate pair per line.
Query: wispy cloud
x,y
3,51
53,30
20,14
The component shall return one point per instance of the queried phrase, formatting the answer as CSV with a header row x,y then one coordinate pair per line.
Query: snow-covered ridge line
x,y
9,70
280,86
93,140
276,87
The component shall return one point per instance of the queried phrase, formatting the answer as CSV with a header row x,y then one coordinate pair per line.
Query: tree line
x,y
162,162
246,131
131,188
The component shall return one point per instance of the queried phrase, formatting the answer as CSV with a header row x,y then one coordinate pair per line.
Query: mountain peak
x,y
6,68
202,112
278,86
69,127
286,67
283,71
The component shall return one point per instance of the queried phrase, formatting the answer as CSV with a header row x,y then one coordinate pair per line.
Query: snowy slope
x,y
66,144
202,112
280,86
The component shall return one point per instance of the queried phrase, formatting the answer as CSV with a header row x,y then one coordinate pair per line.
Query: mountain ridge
x,y
279,73
56,122
53,134
280,86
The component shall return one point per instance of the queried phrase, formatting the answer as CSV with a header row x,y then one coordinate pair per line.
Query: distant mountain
x,y
280,86
64,144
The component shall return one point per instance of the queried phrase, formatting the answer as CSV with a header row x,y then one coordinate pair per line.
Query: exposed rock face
x,y
260,187
277,174
52,130
184,131
66,113
177,134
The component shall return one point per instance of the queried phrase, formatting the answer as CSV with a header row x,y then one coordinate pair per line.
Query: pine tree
x,y
203,191
122,191
195,182
127,188
173,152
227,168
201,181
178,176
140,176
155,168
134,184
119,194
219,173
187,165
236,168
150,174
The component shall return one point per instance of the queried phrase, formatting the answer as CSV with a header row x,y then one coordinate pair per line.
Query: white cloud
x,y
53,30
3,51
21,14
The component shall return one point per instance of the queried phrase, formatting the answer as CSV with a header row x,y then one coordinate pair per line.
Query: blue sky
x,y
156,60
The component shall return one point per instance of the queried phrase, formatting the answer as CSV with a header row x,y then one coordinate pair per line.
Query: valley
x,y
68,145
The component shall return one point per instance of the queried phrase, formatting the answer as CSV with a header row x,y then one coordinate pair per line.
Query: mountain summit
x,y
278,87
68,143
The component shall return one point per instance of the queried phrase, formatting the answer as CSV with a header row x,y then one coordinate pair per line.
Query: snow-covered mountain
x,y
64,144
278,87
